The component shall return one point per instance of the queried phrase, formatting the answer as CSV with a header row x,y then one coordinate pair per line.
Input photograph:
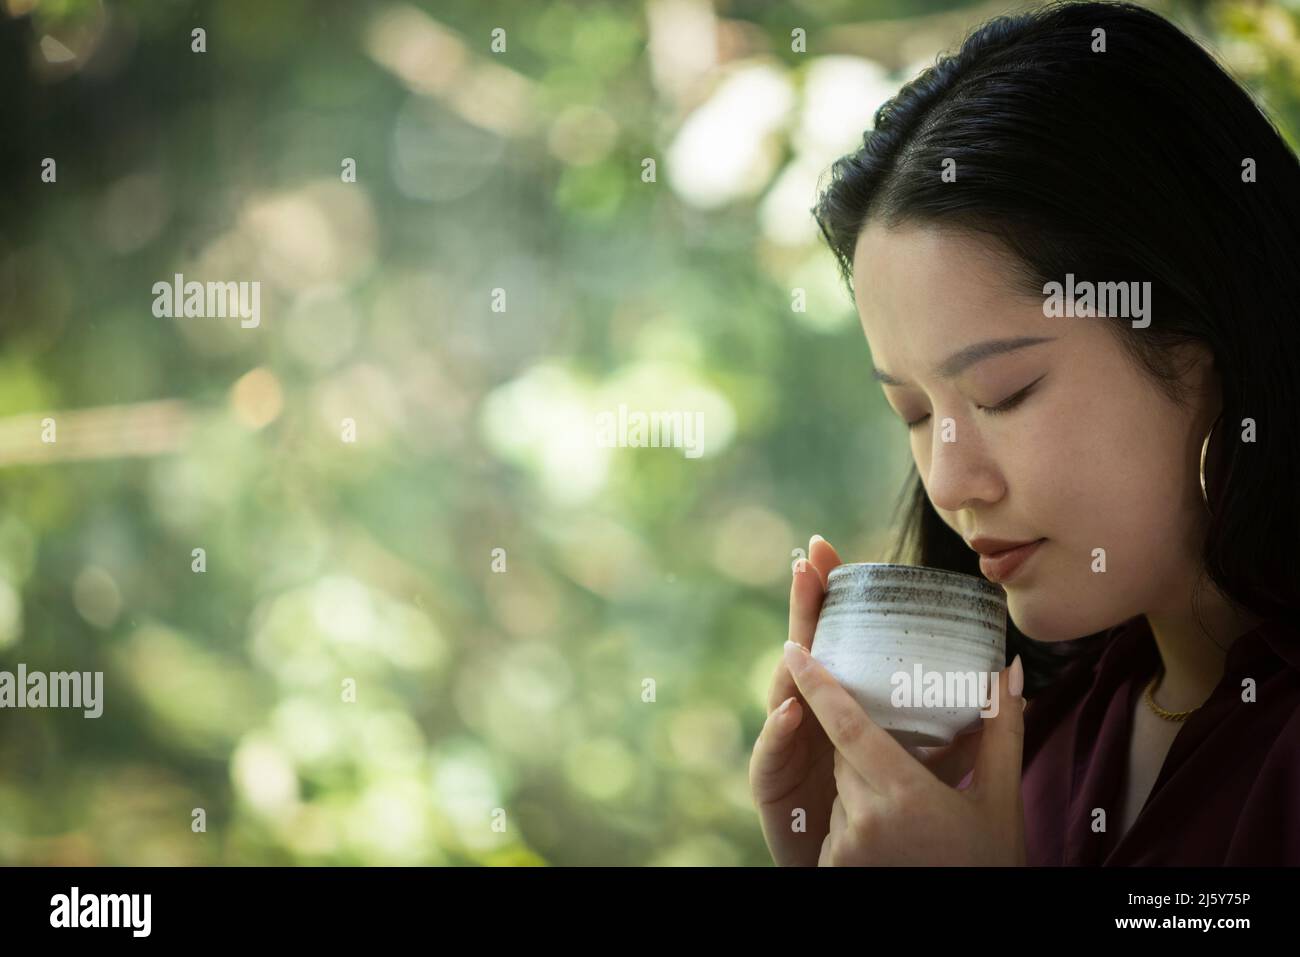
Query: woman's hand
x,y
791,774
891,808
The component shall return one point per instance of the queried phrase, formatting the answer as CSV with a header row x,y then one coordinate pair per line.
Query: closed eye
x,y
1005,406
1013,401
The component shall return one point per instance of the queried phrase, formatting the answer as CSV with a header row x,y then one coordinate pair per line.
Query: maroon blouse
x,y
1228,791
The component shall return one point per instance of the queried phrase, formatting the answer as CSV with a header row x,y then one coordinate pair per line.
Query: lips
x,y
1000,559
991,546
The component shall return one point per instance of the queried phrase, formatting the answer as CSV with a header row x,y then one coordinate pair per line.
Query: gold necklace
x,y
1161,712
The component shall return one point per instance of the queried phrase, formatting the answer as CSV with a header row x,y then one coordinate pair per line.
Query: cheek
x,y
1086,465
1113,479
1120,480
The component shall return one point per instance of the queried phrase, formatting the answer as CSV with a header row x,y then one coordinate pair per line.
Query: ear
x,y
1198,369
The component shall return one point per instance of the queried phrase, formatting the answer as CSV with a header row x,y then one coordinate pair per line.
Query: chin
x,y
1046,619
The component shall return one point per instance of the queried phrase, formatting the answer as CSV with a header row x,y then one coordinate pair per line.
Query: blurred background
x,y
435,618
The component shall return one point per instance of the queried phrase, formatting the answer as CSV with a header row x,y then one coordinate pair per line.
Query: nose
x,y
961,472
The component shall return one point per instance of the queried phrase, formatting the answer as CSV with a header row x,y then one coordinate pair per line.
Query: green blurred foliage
x,y
500,713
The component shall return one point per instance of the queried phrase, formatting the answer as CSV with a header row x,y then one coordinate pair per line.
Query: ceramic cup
x,y
918,648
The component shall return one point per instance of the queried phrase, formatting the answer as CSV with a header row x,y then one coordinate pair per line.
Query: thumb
x,y
1001,747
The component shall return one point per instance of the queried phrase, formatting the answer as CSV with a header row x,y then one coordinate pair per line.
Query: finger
x,y
839,817
952,762
806,594
852,790
805,605
1001,751
781,687
879,759
774,749
823,556
824,858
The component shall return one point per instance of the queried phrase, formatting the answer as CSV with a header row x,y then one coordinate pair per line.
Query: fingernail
x,y
796,656
785,705
800,566
815,538
1016,680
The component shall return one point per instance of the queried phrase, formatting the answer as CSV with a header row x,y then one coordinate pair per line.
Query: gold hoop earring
x,y
1205,448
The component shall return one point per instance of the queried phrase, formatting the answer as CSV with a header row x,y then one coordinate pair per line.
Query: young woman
x,y
1072,247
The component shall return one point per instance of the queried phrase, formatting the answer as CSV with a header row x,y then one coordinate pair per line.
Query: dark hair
x,y
1114,165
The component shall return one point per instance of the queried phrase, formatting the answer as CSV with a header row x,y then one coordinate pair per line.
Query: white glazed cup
x,y
882,627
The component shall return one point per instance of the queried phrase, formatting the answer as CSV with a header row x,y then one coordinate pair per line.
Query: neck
x,y
1193,647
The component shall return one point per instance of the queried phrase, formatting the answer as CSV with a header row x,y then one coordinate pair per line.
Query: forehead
x,y
922,291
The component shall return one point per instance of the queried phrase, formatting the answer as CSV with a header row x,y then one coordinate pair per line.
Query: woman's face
x,y
1092,457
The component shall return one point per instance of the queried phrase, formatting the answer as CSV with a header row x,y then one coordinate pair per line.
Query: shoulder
x,y
1268,817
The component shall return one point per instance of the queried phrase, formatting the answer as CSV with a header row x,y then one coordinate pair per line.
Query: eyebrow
x,y
962,360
